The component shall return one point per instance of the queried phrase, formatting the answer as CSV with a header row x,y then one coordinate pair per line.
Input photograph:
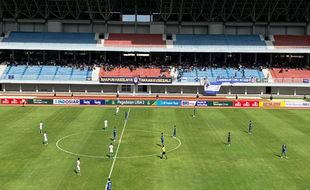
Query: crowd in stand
x,y
63,63
186,65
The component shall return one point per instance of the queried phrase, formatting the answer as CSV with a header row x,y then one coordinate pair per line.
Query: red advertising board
x,y
244,104
13,101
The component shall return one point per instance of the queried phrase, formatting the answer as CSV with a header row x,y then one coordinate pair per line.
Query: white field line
x,y
119,144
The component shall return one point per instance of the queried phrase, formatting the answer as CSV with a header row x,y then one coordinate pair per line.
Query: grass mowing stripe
x,y
119,144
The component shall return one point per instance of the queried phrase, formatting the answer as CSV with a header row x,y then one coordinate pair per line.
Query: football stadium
x,y
154,94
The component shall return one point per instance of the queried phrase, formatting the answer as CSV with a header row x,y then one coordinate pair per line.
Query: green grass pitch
x,y
202,161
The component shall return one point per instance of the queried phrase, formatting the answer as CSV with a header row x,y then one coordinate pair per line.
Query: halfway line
x,y
120,140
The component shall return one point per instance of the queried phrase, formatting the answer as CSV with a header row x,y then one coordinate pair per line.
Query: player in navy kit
x,y
162,139
114,134
283,151
250,127
229,139
109,185
174,131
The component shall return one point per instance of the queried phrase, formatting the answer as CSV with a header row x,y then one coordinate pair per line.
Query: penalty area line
x,y
119,144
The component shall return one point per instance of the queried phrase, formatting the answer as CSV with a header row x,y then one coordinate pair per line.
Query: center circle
x,y
135,144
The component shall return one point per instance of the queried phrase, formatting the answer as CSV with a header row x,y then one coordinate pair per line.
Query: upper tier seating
x,y
58,73
51,37
137,40
213,73
141,72
289,75
220,40
290,41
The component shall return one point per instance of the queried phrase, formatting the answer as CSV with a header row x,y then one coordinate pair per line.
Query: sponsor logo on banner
x,y
298,104
67,101
188,103
220,104
129,102
168,102
13,101
92,102
201,103
246,103
135,80
235,80
40,101
271,104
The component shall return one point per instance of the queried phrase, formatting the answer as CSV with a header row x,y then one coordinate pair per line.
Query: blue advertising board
x,y
92,102
201,103
168,102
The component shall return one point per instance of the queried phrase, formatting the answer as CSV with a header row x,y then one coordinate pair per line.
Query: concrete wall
x,y
154,28
155,89
54,26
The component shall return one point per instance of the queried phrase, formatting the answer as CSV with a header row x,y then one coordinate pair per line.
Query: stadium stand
x,y
291,41
51,37
141,72
289,75
59,73
137,40
213,73
235,40
2,69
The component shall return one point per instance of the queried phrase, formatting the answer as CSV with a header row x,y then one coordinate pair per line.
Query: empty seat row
x,y
51,37
23,72
138,40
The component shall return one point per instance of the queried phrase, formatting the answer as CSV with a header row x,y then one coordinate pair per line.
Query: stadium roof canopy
x,y
160,10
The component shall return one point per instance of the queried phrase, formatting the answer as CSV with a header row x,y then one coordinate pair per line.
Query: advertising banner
x,y
236,80
188,103
243,104
201,103
92,102
66,101
13,101
130,102
135,80
272,104
40,101
168,102
220,103
297,104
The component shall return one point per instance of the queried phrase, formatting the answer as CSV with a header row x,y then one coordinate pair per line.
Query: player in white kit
x,y
117,110
78,167
105,124
41,127
45,140
111,150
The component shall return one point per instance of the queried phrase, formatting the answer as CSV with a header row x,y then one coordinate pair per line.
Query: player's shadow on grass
x,y
158,144
277,155
245,131
75,171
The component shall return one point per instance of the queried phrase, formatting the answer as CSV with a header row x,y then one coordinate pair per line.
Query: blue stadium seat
x,y
228,40
51,37
23,72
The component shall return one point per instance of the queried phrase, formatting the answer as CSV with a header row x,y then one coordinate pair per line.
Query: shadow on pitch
x,y
277,155
158,144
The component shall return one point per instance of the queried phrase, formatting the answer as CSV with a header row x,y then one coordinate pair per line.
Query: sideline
x,y
119,144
